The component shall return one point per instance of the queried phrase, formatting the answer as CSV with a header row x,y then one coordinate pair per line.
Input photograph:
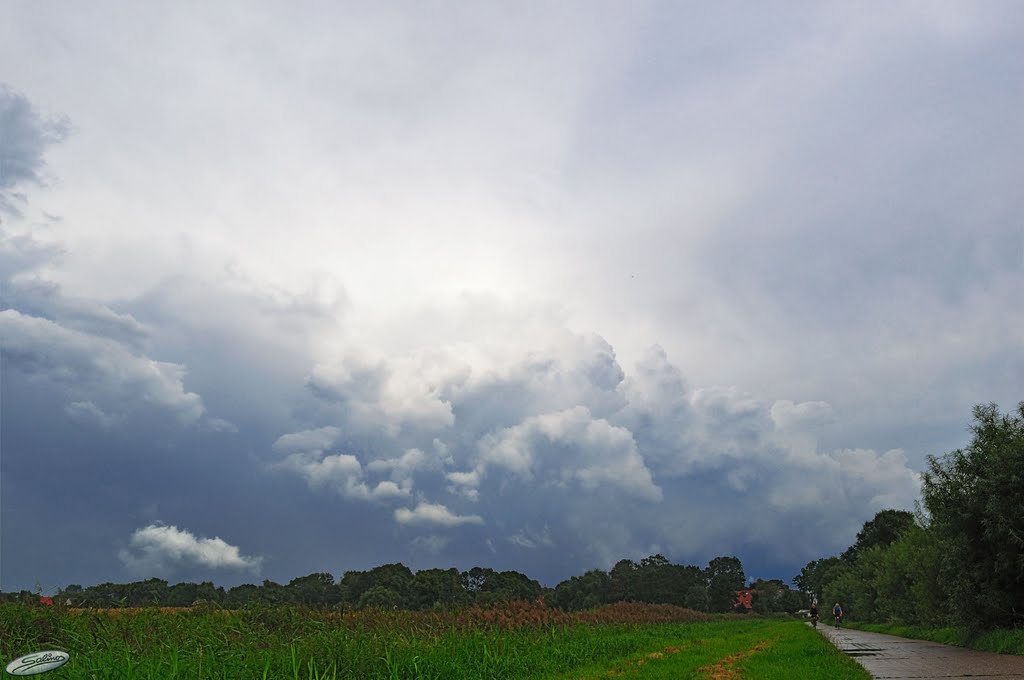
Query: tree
x,y
975,500
314,590
437,588
659,581
506,586
581,592
623,583
182,594
857,586
793,601
908,585
272,593
352,586
475,580
153,591
72,592
242,595
882,531
768,595
396,578
653,577
380,597
696,597
816,574
724,576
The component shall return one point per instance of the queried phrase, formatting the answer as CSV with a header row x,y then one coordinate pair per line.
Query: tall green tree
x,y
623,583
975,500
315,590
272,593
881,531
581,592
242,595
505,586
816,574
660,581
907,583
724,576
392,585
435,588
774,595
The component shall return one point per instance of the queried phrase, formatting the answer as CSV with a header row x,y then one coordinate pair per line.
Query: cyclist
x,y
837,612
814,613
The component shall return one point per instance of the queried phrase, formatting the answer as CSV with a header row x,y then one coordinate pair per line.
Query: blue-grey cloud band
x,y
535,294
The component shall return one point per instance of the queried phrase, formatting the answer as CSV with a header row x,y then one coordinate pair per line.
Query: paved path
x,y
888,656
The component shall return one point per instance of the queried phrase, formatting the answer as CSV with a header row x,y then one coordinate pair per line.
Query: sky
x,y
293,287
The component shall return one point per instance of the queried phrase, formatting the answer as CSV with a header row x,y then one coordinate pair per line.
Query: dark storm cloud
x,y
83,394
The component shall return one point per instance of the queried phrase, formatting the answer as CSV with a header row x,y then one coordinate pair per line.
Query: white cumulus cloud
x,y
159,548
434,514
573,447
307,440
344,474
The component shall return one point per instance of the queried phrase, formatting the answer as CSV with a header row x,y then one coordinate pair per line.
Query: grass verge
x,y
998,641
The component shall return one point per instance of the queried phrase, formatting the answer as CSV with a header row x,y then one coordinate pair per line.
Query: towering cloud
x,y
645,473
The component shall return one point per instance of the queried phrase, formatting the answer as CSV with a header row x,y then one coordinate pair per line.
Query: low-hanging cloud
x,y
158,548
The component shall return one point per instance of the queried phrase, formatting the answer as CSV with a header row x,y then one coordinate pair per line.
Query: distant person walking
x,y
837,612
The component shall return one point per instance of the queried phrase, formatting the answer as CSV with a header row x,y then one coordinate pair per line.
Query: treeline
x,y
388,586
959,560
394,586
656,580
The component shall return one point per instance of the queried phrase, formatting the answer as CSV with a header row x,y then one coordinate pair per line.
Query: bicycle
x,y
814,621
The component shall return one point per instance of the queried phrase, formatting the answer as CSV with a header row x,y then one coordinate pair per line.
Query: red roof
x,y
745,599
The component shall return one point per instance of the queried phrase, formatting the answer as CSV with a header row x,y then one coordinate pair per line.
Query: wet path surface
x,y
888,656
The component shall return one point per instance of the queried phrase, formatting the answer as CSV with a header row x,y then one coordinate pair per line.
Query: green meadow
x,y
517,640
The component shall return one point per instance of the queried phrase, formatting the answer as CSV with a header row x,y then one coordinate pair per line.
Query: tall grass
x,y
518,641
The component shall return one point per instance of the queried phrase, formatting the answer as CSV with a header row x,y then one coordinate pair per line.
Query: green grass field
x,y
518,641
